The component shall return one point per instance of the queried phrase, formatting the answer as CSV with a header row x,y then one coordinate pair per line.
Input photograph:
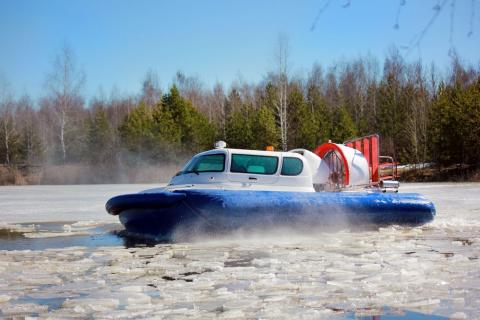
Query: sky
x,y
116,42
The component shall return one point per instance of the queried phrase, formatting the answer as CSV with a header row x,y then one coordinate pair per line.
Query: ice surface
x,y
22,204
434,269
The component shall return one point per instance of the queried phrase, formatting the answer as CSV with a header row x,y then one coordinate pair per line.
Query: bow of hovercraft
x,y
153,215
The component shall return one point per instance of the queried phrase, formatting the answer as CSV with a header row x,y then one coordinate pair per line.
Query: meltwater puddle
x,y
58,235
54,235
389,314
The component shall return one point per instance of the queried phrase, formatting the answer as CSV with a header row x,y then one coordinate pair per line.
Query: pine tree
x,y
320,116
137,134
196,132
240,128
295,106
455,124
99,139
265,131
392,116
30,147
343,126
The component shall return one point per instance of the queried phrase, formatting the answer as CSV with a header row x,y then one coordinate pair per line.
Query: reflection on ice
x,y
434,269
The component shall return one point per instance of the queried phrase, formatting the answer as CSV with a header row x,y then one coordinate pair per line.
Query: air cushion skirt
x,y
161,215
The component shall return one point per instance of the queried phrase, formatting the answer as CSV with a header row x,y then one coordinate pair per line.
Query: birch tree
x,y
151,92
64,84
7,132
282,65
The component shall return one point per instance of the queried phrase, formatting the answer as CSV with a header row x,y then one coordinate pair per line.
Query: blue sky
x,y
117,42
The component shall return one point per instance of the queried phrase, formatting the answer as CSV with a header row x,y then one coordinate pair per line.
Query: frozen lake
x,y
72,265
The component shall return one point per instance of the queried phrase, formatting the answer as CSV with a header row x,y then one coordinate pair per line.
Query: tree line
x,y
423,114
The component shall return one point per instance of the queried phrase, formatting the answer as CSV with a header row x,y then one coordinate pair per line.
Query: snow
x,y
434,269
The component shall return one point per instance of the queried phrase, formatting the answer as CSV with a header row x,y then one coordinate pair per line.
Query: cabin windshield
x,y
247,163
206,163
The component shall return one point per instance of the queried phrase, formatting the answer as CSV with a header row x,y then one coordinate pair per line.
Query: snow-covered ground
x,y
20,204
434,269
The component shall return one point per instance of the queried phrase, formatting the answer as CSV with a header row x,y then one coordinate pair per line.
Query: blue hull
x,y
160,215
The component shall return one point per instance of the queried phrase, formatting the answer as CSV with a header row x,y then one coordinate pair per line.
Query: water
x,y
102,235
52,266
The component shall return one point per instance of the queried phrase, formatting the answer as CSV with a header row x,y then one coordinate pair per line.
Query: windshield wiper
x,y
192,171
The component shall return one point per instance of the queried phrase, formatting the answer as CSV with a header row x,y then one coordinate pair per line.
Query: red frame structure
x,y
370,147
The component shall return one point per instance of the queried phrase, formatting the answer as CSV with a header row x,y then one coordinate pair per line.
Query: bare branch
x,y
472,18
320,12
418,38
347,4
452,18
402,3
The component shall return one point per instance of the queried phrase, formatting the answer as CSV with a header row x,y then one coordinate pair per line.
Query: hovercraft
x,y
226,189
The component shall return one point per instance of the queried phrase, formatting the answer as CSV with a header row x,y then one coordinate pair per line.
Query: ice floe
x,y
434,269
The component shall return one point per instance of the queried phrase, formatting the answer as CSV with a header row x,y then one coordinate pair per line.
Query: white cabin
x,y
297,170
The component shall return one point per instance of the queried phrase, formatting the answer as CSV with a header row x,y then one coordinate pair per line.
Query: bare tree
x,y
191,88
423,110
461,74
315,82
245,89
332,95
64,85
151,92
372,73
282,65
7,120
218,107
355,79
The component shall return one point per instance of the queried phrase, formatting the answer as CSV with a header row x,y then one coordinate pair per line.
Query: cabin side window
x,y
207,163
247,163
291,166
